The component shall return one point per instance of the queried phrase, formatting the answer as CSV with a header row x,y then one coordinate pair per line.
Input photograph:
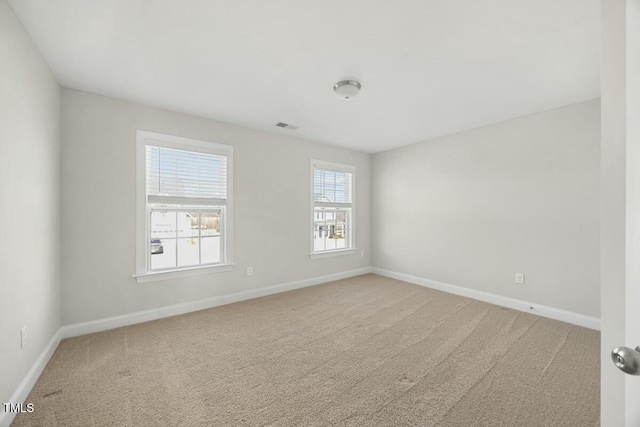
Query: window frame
x,y
351,222
143,268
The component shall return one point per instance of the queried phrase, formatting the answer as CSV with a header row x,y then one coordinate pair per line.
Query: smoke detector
x,y
347,89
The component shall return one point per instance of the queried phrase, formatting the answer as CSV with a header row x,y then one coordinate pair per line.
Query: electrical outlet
x,y
23,337
520,278
250,271
361,254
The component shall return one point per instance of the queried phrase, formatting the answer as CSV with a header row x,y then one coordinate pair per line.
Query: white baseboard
x,y
105,324
23,390
516,304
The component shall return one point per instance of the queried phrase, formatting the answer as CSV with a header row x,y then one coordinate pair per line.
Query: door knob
x,y
627,359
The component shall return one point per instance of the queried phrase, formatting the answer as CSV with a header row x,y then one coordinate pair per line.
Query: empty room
x,y
295,213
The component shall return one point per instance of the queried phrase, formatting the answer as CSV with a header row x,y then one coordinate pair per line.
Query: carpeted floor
x,y
367,351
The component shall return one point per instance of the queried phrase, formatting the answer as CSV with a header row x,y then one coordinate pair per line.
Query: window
x,y
332,218
184,207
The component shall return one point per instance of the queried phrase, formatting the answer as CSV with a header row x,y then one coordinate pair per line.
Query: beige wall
x,y
473,208
271,208
29,199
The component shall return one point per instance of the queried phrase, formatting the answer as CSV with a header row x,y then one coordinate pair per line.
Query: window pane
x,y
340,234
188,252
211,253
331,186
175,238
163,254
330,229
330,241
187,224
210,223
163,224
319,231
179,173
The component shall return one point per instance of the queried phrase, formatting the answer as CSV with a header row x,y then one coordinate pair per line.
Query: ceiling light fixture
x,y
347,89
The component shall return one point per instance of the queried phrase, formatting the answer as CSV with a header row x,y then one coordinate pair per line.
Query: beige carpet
x,y
366,351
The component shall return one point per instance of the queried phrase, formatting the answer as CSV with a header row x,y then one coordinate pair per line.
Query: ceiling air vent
x,y
286,126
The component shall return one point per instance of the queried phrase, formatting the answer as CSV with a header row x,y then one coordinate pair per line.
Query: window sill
x,y
328,254
183,272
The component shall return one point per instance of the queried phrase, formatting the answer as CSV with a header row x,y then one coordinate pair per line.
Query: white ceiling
x,y
428,68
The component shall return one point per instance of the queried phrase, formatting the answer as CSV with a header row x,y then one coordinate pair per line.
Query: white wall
x,y
271,208
473,208
29,198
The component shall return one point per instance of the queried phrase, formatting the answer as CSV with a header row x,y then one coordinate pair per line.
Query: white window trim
x,y
329,254
143,274
321,164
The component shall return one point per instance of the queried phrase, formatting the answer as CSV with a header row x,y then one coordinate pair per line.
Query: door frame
x,y
620,206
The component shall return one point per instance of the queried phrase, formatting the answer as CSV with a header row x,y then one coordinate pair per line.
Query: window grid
x,y
174,235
